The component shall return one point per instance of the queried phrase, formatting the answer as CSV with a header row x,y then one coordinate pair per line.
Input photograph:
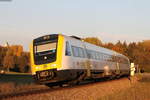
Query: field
x,y
16,78
139,91
138,88
16,82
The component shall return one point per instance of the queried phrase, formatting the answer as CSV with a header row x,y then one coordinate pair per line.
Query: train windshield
x,y
45,51
51,47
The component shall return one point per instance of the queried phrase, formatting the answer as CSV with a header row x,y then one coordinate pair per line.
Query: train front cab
x,y
46,57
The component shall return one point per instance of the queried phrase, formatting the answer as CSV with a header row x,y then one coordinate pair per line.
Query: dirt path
x,y
84,92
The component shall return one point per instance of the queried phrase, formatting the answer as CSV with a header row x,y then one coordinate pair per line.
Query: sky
x,y
110,20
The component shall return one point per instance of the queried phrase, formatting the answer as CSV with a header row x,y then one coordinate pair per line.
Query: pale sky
x,y
110,20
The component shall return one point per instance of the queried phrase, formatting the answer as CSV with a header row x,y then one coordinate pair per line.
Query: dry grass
x,y
139,91
85,92
8,88
121,89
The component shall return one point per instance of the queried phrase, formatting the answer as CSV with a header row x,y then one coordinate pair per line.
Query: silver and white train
x,y
58,59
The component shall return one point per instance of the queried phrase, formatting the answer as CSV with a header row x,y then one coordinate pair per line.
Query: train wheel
x,y
51,85
112,77
118,76
73,83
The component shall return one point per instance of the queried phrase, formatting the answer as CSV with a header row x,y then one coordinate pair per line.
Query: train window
x,y
78,52
104,57
113,58
94,52
45,52
45,47
88,54
109,58
81,52
75,51
68,50
100,56
97,55
92,55
85,53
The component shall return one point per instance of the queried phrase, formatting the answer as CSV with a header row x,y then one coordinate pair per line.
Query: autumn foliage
x,y
13,58
138,53
93,40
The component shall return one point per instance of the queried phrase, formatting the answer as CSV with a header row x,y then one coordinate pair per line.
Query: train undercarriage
x,y
73,77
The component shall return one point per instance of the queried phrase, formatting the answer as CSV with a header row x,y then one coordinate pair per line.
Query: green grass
x,y
17,78
11,82
16,73
139,91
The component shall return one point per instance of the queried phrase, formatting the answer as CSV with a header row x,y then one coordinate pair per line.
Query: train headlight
x,y
53,65
37,67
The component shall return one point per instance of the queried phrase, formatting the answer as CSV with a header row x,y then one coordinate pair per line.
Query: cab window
x,y
68,50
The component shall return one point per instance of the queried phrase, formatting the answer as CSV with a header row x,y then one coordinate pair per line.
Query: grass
x,y
16,78
16,82
9,88
139,91
16,73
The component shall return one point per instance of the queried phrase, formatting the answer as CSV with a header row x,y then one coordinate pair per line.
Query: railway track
x,y
55,89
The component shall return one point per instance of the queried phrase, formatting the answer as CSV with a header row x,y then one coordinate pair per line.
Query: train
x,y
58,59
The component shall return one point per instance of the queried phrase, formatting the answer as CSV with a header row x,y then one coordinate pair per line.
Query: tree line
x,y
137,52
13,58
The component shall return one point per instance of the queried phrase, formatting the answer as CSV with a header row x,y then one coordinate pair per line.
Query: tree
x,y
3,51
93,40
17,49
108,45
119,47
9,62
13,58
23,62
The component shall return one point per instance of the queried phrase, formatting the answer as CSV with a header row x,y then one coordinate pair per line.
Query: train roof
x,y
103,50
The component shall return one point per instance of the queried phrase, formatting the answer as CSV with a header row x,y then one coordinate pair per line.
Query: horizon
x,y
114,42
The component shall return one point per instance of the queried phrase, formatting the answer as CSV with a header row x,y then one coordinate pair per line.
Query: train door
x,y
117,65
88,63
67,59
